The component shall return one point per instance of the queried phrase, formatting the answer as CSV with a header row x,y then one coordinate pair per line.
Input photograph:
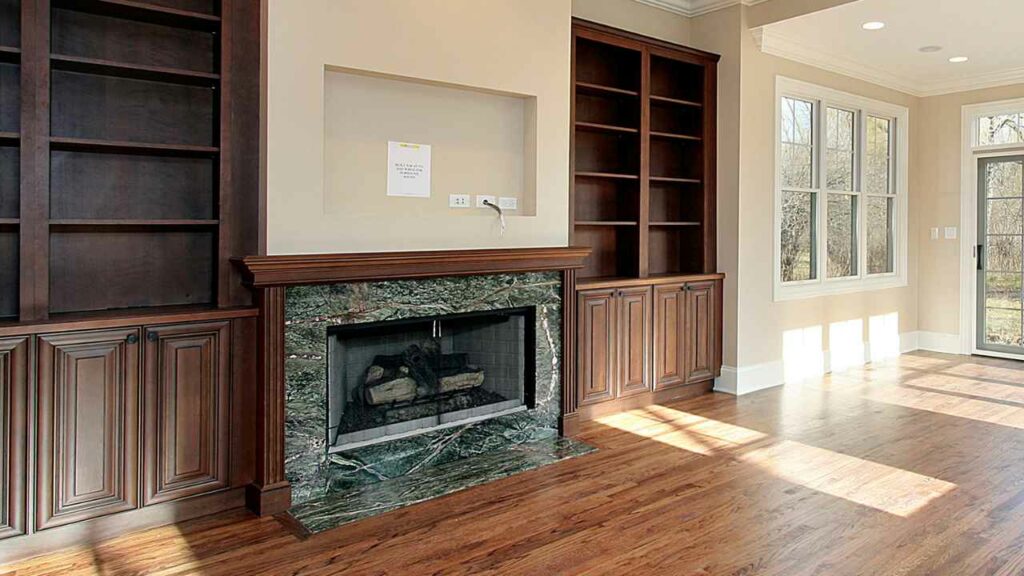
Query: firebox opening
x,y
397,378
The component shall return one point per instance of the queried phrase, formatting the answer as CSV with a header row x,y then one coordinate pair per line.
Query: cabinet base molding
x,y
268,500
91,532
681,392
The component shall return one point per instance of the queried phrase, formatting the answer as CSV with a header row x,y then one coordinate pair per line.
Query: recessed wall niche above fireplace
x,y
397,378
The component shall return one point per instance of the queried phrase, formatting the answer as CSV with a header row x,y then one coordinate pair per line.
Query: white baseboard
x,y
739,380
938,342
746,379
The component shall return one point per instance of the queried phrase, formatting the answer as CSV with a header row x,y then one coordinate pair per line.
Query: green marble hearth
x,y
319,479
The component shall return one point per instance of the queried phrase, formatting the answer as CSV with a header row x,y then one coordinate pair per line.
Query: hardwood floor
x,y
910,467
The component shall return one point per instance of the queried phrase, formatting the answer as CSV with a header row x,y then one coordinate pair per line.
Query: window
x,y
840,192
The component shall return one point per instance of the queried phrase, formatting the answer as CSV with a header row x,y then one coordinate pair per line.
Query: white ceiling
x,y
989,32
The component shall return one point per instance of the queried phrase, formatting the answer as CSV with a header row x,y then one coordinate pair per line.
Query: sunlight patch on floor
x,y
950,405
879,486
972,387
891,490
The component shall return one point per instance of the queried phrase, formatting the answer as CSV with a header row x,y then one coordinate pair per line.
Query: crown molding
x,y
692,8
776,44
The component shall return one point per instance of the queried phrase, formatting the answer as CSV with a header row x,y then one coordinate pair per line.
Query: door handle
x,y
979,252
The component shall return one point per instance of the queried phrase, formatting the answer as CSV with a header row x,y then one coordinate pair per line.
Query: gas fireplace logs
x,y
418,373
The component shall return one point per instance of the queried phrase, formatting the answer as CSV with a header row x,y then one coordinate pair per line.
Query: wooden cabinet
x,y
669,357
702,331
614,343
634,340
596,321
87,425
13,434
664,335
185,410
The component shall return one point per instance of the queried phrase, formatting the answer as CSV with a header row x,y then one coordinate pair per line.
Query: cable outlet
x,y
458,200
480,200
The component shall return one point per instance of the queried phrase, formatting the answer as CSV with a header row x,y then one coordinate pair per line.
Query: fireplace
x,y
398,378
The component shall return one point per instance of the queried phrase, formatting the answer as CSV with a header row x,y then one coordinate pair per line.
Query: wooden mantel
x,y
293,270
270,492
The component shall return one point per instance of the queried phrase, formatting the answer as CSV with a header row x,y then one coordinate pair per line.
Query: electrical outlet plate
x,y
480,200
458,200
508,203
950,232
935,233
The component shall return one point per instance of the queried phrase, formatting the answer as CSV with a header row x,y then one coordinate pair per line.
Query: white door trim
x,y
970,154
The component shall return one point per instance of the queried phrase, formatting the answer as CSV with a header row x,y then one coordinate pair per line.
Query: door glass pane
x,y
842,235
797,235
878,212
1003,179
1002,326
1004,216
1002,290
1003,254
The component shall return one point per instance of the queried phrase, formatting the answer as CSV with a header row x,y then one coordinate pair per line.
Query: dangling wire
x,y
501,215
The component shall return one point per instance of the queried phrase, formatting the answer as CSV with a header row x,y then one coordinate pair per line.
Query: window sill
x,y
816,289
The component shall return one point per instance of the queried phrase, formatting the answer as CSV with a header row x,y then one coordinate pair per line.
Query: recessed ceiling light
x,y
873,25
929,49
958,59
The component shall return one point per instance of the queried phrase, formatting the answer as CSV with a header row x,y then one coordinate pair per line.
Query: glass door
x,y
1000,237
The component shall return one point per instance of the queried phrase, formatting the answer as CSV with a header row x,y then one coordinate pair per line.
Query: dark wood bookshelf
x,y
135,187
643,141
133,71
144,12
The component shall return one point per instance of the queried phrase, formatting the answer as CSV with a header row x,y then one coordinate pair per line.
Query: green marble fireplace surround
x,y
330,489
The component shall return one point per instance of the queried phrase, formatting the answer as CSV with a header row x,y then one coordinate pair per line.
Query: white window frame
x,y
971,153
824,98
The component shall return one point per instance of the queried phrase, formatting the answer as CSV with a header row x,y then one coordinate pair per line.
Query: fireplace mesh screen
x,y
398,378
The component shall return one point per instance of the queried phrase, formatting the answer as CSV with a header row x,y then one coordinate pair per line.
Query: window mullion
x,y
821,249
860,153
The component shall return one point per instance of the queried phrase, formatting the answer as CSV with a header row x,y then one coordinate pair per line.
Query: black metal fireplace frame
x,y
398,325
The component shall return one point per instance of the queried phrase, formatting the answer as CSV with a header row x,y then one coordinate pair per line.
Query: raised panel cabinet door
x,y
669,358
596,345
185,398
13,434
88,416
634,336
701,331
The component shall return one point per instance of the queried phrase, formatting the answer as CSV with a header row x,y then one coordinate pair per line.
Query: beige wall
x,y
635,17
937,164
513,46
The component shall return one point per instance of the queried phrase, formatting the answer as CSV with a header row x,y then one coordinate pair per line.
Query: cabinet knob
x,y
152,336
133,338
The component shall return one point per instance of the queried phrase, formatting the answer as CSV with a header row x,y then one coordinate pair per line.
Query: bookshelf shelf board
x,y
676,101
133,71
601,90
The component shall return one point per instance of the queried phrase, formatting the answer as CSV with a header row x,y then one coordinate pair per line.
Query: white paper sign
x,y
408,169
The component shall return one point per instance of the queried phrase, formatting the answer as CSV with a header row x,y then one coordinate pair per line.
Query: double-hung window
x,y
840,192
